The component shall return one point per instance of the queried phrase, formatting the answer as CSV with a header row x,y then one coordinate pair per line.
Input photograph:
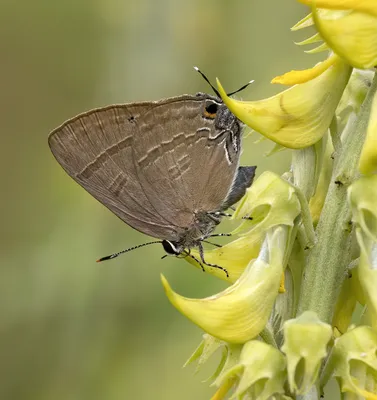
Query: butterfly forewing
x,y
178,161
95,149
153,164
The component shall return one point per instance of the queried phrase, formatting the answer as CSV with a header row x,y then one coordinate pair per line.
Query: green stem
x,y
304,170
328,260
306,218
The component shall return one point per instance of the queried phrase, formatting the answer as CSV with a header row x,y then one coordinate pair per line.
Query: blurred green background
x,y
70,328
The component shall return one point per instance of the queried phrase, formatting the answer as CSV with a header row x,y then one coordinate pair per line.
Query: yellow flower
x,y
349,27
353,362
233,256
301,76
299,116
270,201
241,311
305,342
367,6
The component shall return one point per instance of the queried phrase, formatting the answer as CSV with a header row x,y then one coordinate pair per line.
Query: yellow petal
x,y
305,345
241,311
270,201
368,158
367,6
350,34
224,389
234,256
353,361
299,116
296,77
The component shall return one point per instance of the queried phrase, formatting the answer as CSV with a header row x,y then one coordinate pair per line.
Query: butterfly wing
x,y
153,164
181,165
95,149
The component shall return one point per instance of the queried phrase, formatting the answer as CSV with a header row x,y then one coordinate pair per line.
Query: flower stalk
x,y
326,267
305,252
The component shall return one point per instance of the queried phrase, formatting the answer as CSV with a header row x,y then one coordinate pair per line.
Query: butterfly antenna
x,y
208,81
216,91
126,251
240,89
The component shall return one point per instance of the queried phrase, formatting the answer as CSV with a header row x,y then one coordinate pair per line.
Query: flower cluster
x,y
305,253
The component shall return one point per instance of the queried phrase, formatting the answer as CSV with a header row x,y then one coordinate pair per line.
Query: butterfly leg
x,y
213,244
221,214
201,253
216,235
188,253
220,234
218,214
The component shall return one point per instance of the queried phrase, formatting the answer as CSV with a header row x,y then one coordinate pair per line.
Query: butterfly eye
x,y
210,110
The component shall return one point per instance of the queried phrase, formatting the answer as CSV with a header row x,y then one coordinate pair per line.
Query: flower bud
x,y
305,346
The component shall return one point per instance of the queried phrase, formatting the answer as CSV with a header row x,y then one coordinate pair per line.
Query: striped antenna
x,y
126,251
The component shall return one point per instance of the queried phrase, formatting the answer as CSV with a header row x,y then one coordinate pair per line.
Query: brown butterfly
x,y
167,168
